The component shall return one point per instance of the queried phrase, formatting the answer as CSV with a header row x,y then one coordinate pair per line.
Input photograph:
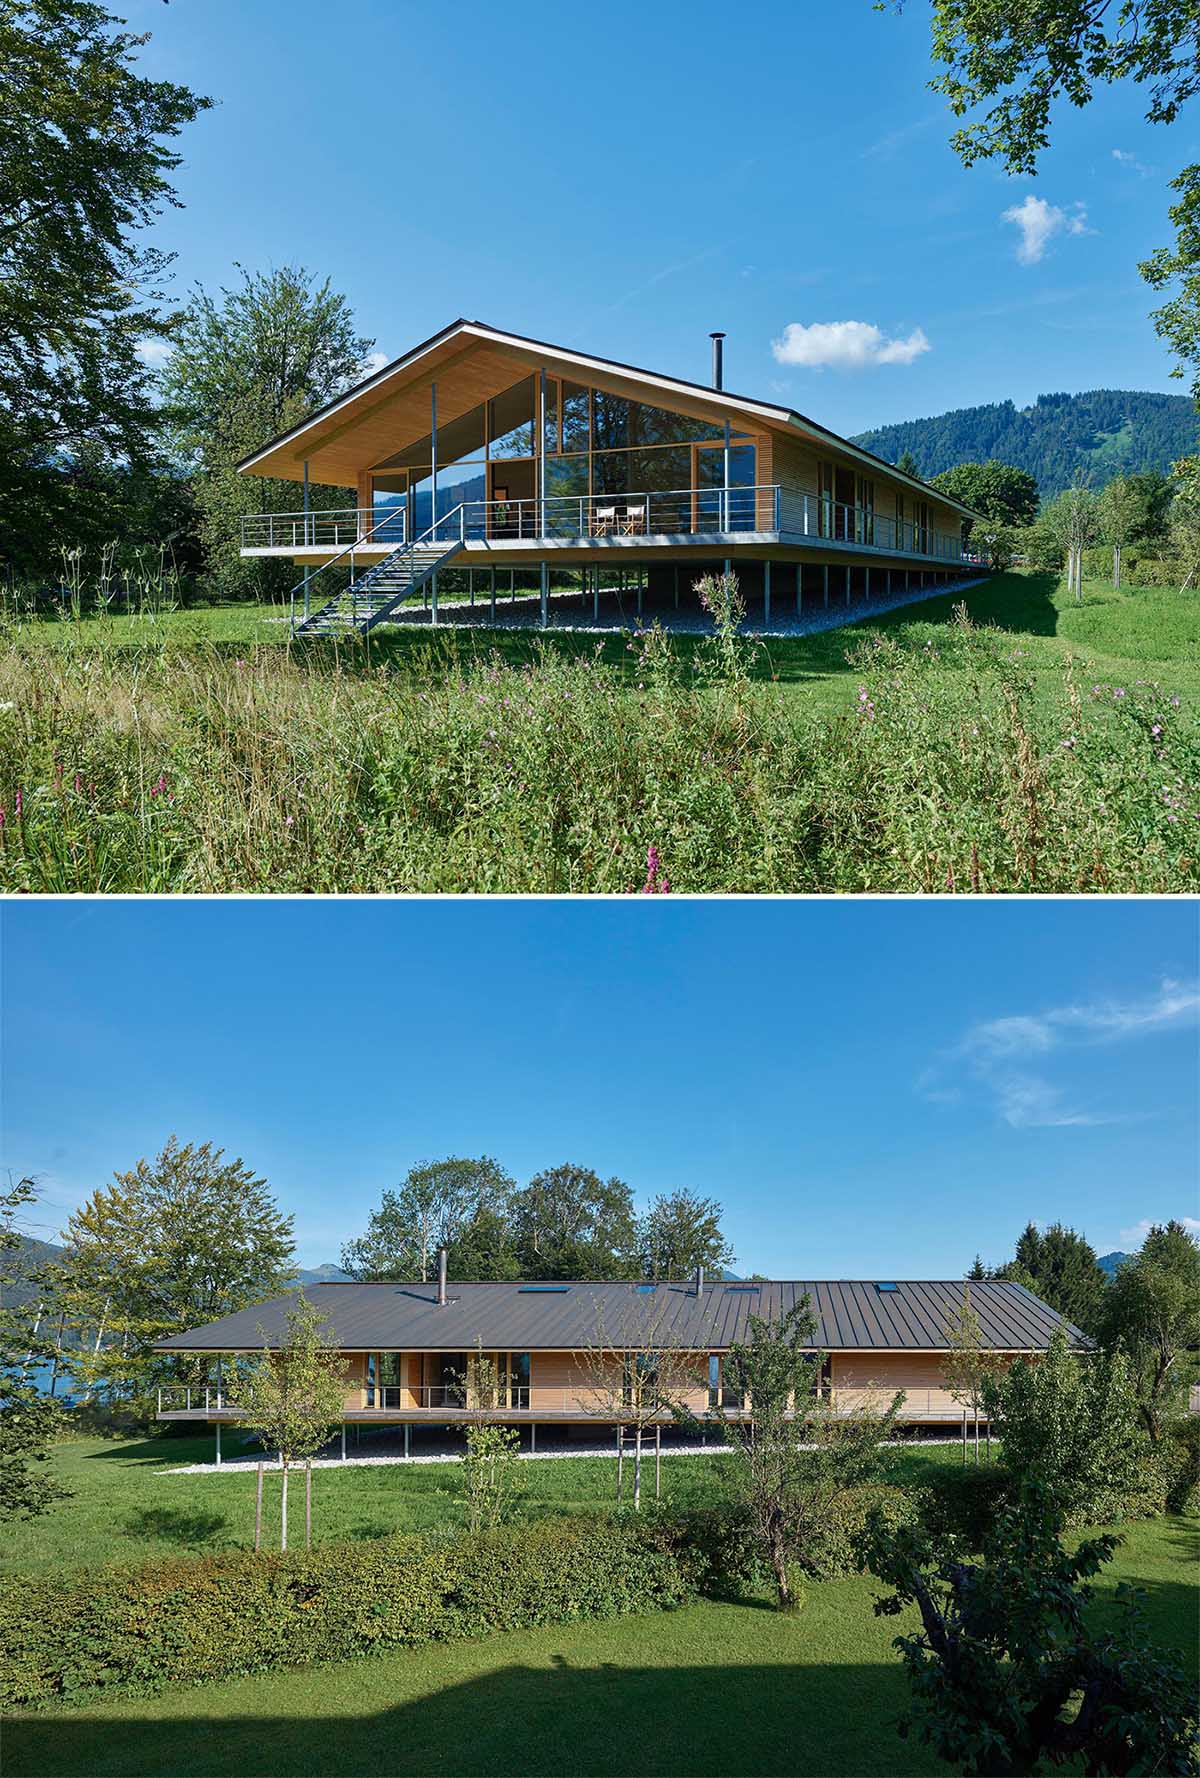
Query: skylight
x,y
645,1287
744,1287
543,1289
887,1287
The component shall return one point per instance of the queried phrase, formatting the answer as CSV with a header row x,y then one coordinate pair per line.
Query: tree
x,y
246,365
570,1223
84,166
999,491
1059,1266
1073,520
629,1373
1178,320
1185,517
906,463
462,1204
489,1471
1120,516
1027,55
177,1242
967,1364
1009,1667
29,1420
1154,493
1152,1310
681,1231
1069,1423
294,1398
794,1454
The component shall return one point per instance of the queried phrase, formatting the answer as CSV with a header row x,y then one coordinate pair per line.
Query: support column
x,y
825,581
407,1439
545,595
433,591
218,1432
766,595
471,585
532,1437
799,589
343,1441
638,572
866,583
307,510
596,592
887,582
675,572
433,511
493,595
847,583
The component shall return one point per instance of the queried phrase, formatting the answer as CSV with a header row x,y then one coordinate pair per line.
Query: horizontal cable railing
x,y
711,511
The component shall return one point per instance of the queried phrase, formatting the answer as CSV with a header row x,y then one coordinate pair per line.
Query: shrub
x,y
728,1558
963,1502
133,1630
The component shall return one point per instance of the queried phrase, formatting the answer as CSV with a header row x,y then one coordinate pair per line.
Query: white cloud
x,y
1132,162
1131,1239
1039,222
846,345
1001,1056
154,352
374,361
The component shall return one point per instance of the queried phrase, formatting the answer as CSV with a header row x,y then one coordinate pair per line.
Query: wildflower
x,y
157,789
288,820
1070,741
1119,692
1156,729
78,782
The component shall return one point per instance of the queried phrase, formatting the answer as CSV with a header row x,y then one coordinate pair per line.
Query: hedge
x,y
134,1629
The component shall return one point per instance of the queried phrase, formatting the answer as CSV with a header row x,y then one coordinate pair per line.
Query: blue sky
x,y
870,1088
627,180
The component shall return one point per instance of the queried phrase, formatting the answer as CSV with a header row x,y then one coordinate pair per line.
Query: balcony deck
x,y
690,523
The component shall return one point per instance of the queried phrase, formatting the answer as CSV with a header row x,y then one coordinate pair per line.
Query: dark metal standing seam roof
x,y
850,1315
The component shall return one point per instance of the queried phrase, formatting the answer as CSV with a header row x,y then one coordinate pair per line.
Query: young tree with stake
x,y
294,1398
631,1375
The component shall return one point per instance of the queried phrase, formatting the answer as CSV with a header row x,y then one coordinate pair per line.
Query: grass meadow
x,y
719,1686
1038,744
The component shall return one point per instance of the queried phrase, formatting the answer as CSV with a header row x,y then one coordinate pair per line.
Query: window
x,y
722,1389
640,1383
543,1289
370,1384
576,417
510,421
517,1379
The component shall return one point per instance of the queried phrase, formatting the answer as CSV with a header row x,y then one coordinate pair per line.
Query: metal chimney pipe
x,y
699,1280
718,371
441,1296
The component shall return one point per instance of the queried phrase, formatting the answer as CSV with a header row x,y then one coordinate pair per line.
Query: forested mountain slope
x,y
1104,432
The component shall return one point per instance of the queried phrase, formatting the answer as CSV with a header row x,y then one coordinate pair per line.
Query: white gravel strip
x,y
716,1449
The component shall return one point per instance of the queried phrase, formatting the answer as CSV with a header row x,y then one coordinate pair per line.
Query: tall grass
x,y
167,768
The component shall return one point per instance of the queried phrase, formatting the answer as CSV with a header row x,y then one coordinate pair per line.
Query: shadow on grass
x,y
174,1525
560,1718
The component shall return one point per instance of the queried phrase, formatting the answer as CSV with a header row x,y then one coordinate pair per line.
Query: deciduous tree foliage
x,y
295,1396
29,1420
570,1223
997,490
1152,1308
247,364
1010,1669
1011,62
175,1242
458,1203
681,1231
85,165
794,1455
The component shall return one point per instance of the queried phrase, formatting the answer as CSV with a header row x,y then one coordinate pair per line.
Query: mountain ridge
x,y
1103,432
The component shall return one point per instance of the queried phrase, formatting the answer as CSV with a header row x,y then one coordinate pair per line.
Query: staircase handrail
x,y
426,536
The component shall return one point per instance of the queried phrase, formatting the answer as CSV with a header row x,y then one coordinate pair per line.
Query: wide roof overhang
x,y
389,410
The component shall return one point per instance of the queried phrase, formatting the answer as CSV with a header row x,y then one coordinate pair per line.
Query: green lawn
x,y
1151,633
715,1688
126,1508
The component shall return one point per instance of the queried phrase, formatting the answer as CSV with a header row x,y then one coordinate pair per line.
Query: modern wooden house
x,y
409,1347
497,454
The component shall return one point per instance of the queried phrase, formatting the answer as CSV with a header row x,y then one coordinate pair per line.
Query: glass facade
x,y
594,446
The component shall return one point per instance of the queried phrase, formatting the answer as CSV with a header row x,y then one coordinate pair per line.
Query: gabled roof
x,y
313,433
851,1316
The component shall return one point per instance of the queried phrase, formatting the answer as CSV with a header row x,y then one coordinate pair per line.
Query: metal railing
x,y
175,1398
330,529
712,511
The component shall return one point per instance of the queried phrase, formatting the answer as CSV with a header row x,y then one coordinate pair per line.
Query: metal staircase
x,y
373,596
